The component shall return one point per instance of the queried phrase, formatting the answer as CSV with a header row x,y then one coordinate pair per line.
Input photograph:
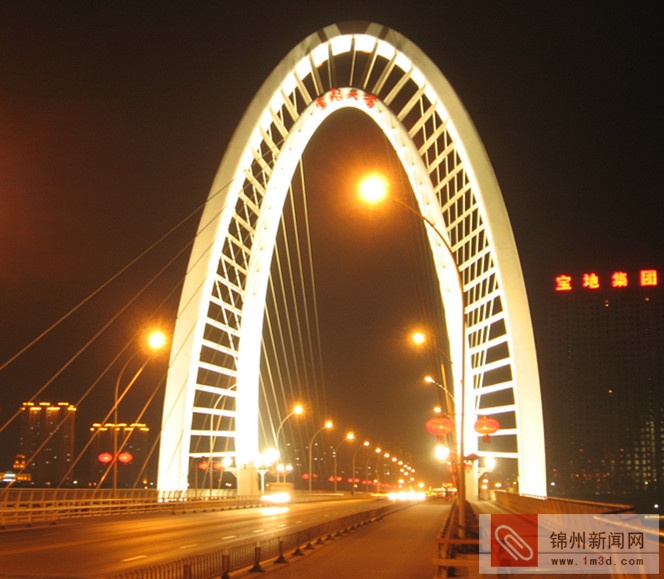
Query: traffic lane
x,y
401,545
95,547
22,540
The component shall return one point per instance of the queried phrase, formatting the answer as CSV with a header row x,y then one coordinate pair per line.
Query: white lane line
x,y
258,531
188,546
133,558
228,537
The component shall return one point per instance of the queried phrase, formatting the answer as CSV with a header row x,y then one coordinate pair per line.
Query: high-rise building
x,y
46,440
602,375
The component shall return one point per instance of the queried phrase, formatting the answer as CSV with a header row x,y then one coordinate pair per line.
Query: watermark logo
x,y
514,540
569,544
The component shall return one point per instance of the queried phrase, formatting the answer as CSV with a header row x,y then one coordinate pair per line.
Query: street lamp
x,y
373,190
365,444
327,426
348,437
265,461
297,410
155,341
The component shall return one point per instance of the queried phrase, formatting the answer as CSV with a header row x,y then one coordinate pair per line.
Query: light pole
x,y
348,437
365,444
374,190
378,450
155,341
265,460
327,426
297,410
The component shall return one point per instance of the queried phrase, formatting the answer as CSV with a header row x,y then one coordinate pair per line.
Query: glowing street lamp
x,y
365,444
371,191
327,426
155,341
298,409
349,437
265,461
373,188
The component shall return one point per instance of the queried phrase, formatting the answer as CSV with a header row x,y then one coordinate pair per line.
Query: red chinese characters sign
x,y
353,94
617,280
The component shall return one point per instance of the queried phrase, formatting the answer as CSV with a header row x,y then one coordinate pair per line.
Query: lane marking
x,y
188,546
133,558
228,537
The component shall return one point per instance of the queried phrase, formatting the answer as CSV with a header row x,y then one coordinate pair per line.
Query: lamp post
x,y
350,436
265,461
155,341
327,426
374,190
379,451
365,444
297,410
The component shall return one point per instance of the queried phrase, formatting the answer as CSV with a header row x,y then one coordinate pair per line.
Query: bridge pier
x,y
247,480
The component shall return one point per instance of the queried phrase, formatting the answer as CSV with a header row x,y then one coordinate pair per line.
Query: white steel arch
x,y
214,368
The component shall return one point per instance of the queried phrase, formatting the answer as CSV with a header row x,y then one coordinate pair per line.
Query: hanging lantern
x,y
486,426
105,457
440,425
125,457
203,465
217,466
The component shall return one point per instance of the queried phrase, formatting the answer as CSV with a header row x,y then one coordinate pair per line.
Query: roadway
x,y
105,546
401,546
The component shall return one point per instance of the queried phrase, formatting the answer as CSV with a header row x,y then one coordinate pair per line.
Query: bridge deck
x,y
400,546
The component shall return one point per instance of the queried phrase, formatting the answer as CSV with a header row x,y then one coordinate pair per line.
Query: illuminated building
x,y
133,451
602,361
46,439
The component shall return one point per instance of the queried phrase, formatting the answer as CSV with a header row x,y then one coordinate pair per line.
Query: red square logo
x,y
514,540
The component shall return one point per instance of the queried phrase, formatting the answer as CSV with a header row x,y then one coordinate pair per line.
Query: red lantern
x,y
105,457
217,466
305,476
125,457
486,426
203,465
440,425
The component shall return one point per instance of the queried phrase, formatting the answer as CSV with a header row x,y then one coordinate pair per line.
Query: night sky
x,y
115,116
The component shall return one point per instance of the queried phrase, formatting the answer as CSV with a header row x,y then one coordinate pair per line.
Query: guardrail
x,y
553,505
448,544
29,507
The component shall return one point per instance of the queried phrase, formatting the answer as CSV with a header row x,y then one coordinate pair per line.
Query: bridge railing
x,y
449,545
44,506
554,505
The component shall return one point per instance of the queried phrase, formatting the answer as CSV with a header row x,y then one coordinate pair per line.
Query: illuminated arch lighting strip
x,y
455,188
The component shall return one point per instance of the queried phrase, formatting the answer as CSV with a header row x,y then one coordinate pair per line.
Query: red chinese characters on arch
x,y
337,94
617,280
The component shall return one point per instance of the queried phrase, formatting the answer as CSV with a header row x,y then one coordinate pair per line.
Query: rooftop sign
x,y
616,280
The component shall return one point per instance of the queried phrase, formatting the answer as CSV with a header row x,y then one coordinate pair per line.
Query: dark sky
x,y
114,117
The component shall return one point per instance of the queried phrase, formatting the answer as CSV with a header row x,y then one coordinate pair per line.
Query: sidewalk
x,y
401,546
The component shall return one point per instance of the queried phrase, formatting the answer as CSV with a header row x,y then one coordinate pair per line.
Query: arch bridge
x,y
212,391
